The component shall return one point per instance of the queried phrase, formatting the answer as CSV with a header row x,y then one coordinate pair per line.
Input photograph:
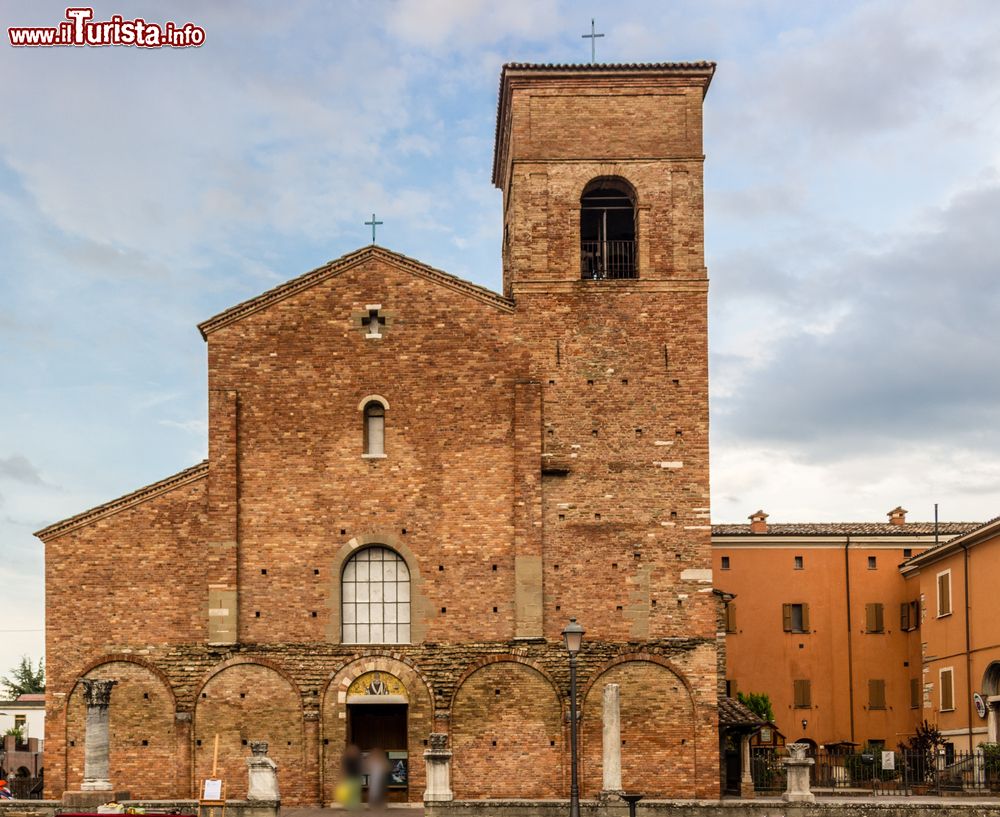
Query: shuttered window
x,y
914,615
914,693
904,616
730,613
874,618
803,694
947,690
944,593
876,694
795,618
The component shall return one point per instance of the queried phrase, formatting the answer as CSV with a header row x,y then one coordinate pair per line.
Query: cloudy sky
x,y
853,211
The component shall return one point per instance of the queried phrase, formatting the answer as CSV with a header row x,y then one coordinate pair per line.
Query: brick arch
x,y
333,721
506,732
143,735
507,658
419,604
659,727
126,658
236,661
245,699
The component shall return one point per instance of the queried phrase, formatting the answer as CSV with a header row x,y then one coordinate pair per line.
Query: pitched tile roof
x,y
342,264
134,498
734,713
977,533
849,529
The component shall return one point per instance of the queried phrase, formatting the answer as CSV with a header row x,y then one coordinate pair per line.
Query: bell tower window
x,y
607,230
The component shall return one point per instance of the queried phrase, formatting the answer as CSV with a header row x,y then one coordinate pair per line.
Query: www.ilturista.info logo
x,y
79,29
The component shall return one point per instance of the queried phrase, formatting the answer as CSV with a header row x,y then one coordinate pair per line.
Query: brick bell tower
x,y
601,169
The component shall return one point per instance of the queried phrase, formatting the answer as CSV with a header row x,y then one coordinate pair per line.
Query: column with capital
x,y
97,755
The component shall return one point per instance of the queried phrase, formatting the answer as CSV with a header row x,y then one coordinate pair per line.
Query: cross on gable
x,y
373,320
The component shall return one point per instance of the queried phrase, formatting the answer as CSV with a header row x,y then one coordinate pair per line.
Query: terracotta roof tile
x,y
849,529
734,713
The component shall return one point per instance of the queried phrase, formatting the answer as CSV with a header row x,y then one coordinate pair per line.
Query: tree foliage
x,y
24,679
759,703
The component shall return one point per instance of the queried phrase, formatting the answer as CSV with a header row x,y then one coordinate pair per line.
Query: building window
x,y
730,614
795,618
947,678
872,563
874,618
944,593
907,553
914,693
799,563
803,694
876,694
374,430
725,563
375,598
607,230
730,688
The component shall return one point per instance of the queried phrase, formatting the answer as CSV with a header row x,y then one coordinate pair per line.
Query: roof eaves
x,y
340,265
977,534
704,67
143,494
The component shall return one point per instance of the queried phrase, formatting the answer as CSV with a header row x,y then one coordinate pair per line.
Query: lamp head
x,y
573,636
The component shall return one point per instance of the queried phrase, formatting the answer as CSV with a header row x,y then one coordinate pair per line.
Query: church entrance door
x,y
382,726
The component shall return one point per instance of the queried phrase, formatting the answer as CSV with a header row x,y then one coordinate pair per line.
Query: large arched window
x,y
374,430
607,229
375,598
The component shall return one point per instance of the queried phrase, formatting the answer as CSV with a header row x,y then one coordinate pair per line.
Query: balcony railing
x,y
600,260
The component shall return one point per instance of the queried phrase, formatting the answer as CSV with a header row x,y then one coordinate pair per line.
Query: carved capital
x,y
438,741
97,692
258,747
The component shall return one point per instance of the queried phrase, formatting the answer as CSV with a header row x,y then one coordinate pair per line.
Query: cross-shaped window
x,y
373,322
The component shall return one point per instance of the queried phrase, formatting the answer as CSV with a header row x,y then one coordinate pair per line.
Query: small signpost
x,y
213,790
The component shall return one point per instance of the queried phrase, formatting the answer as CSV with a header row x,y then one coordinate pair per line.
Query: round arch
x,y
991,680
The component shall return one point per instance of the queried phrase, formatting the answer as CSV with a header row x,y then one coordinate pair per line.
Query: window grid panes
x,y
375,604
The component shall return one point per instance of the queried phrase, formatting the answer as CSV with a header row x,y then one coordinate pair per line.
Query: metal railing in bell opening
x,y
601,260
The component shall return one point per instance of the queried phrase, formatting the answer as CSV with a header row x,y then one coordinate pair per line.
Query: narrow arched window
x,y
375,598
374,431
607,229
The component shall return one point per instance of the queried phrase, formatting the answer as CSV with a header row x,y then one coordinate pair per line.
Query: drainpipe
x,y
850,652
968,645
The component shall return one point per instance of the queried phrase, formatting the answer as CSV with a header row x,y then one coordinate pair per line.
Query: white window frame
x,y
937,594
941,673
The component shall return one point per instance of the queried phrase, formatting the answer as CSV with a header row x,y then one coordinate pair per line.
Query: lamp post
x,y
573,638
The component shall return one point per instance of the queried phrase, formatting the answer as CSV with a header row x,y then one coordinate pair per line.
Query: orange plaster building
x,y
823,621
959,635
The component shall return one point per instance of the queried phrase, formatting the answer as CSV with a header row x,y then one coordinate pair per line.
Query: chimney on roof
x,y
758,522
897,516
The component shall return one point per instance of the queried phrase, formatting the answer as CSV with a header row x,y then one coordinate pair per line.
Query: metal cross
x,y
373,224
593,41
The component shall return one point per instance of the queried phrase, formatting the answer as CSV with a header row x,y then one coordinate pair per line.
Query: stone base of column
x,y
90,800
610,796
747,790
798,797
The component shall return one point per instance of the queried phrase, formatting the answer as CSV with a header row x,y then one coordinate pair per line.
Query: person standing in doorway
x,y
378,778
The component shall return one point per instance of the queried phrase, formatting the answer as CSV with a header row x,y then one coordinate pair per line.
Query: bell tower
x,y
601,172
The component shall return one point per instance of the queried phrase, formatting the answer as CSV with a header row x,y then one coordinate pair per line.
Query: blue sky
x,y
852,204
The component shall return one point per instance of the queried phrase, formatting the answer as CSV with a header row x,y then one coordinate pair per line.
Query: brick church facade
x,y
414,482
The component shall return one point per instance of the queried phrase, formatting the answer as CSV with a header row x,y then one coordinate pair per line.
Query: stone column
x,y
97,757
993,719
263,773
797,765
611,762
438,762
746,778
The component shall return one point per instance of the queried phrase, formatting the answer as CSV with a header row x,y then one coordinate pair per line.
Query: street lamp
x,y
573,639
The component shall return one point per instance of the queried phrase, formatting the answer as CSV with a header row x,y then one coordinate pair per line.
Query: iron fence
x,y
26,788
607,259
899,773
